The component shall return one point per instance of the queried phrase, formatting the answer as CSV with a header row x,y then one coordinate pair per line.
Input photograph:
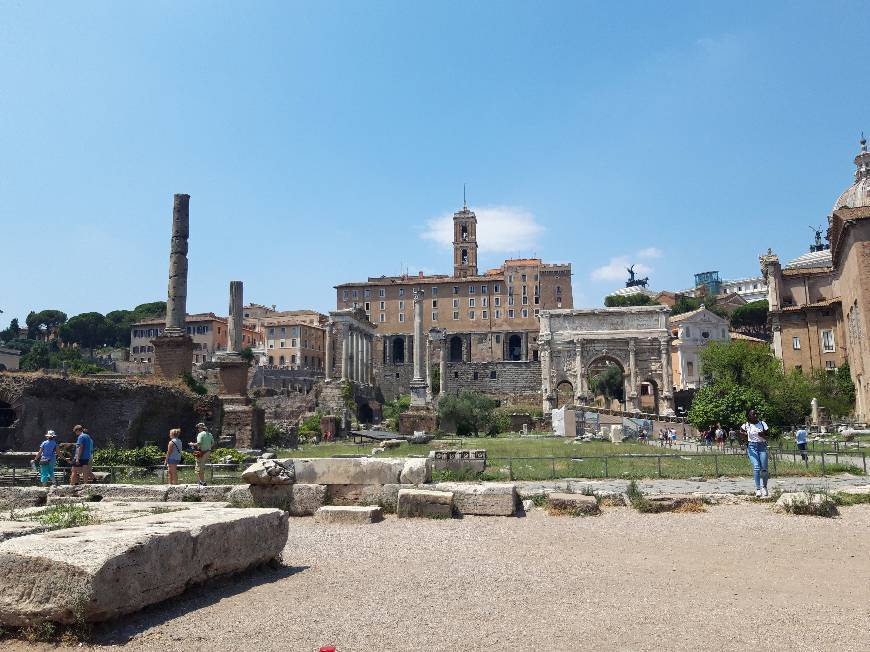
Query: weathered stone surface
x,y
297,499
351,514
806,503
459,460
862,489
12,529
484,499
355,470
267,471
95,492
425,503
391,443
420,437
670,502
196,493
417,470
268,456
11,497
99,572
385,495
576,504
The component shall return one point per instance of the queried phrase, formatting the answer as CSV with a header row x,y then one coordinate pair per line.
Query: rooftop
x,y
202,316
858,194
811,259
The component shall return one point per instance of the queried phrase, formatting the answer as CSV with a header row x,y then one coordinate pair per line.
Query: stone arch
x,y
597,365
649,396
456,349
564,394
398,350
514,347
364,413
8,416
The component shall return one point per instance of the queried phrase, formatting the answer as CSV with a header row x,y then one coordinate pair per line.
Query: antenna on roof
x,y
464,203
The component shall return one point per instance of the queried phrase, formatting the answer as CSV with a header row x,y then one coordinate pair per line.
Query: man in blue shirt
x,y
82,458
800,438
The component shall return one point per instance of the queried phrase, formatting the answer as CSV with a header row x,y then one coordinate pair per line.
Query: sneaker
x,y
758,493
201,484
764,493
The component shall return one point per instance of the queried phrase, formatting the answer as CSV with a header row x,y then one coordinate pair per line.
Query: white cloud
x,y
650,252
499,229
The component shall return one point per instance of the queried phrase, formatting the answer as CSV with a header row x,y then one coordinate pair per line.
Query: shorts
x,y
202,461
82,462
173,461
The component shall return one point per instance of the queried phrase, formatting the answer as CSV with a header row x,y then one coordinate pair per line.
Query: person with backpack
x,y
46,457
756,448
173,454
202,448
84,450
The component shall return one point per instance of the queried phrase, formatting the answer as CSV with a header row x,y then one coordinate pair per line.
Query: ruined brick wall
x,y
500,379
124,411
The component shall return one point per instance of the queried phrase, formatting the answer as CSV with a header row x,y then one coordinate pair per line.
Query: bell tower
x,y
464,243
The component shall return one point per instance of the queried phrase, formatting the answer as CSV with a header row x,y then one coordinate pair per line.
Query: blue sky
x,y
325,142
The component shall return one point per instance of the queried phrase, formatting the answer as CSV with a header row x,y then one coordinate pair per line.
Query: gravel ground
x,y
733,578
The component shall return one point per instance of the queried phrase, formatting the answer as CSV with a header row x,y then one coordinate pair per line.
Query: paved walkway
x,y
669,486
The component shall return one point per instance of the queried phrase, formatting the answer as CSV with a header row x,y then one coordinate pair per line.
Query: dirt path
x,y
733,578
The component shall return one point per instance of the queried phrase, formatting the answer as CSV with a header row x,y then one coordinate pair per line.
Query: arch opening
x,y
455,349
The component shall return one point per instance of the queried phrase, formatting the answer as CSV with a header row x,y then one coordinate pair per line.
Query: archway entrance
x,y
564,394
515,348
364,413
648,399
455,349
606,379
7,415
398,350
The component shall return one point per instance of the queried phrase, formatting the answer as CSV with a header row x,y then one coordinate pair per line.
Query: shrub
x,y
58,517
193,384
143,456
471,412
811,503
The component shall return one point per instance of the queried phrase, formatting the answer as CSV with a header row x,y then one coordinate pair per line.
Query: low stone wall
x,y
507,379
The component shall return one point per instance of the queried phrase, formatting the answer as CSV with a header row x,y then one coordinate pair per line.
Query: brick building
x,y
820,301
489,316
209,333
293,343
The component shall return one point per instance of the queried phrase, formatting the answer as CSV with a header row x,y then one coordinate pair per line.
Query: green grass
x,y
848,499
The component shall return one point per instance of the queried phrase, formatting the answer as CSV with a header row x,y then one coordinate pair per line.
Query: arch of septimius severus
x,y
636,339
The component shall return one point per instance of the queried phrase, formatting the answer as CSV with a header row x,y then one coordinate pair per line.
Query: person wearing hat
x,y
46,457
201,450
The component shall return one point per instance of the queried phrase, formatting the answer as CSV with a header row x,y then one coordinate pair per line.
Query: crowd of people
x,y
80,452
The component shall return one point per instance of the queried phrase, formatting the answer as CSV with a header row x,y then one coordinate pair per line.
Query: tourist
x,y
173,454
756,448
81,463
708,436
720,436
673,436
46,457
201,450
800,438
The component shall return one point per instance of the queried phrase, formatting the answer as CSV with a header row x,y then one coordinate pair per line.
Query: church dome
x,y
858,194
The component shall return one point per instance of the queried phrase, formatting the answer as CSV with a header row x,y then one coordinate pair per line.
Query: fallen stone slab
x,y
269,471
12,497
110,492
857,489
12,529
671,503
296,499
572,504
417,470
391,443
482,499
197,493
98,572
384,495
351,514
804,503
349,470
425,503
473,461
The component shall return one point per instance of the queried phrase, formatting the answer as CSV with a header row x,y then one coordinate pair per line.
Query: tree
x,y
638,299
11,332
36,358
751,319
834,390
43,323
725,404
472,413
685,304
89,330
608,383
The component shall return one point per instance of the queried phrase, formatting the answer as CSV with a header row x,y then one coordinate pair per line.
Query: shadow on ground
x,y
121,630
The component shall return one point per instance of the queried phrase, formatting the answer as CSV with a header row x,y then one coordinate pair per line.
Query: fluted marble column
x,y
345,353
632,371
418,383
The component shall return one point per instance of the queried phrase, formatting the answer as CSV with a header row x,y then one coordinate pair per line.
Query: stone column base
x,y
418,393
232,375
173,356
